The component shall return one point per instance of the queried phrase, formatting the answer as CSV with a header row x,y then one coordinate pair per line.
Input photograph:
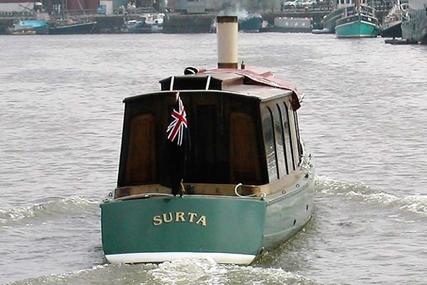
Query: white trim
x,y
208,82
229,258
172,82
358,36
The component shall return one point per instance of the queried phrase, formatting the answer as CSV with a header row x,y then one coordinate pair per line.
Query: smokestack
x,y
227,31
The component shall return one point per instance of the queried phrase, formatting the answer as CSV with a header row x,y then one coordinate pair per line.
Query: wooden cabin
x,y
243,129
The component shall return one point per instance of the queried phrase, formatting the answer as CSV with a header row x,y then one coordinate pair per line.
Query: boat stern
x,y
158,229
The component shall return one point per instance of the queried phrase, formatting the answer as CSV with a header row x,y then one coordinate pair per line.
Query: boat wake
x,y
185,271
58,207
365,194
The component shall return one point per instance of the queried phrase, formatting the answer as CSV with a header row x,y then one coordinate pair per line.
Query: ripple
x,y
48,209
363,193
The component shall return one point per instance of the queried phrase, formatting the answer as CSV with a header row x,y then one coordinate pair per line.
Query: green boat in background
x,y
211,166
359,21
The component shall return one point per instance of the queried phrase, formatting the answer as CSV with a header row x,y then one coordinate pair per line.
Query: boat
x,y
134,26
391,26
149,23
414,22
250,23
72,27
329,21
29,27
359,21
292,25
155,22
211,166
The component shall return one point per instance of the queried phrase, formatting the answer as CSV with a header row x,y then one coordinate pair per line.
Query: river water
x,y
363,117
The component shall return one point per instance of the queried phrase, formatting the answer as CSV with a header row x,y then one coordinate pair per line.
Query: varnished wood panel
x,y
141,160
244,159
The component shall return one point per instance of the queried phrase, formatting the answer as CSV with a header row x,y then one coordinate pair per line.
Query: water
x,y
363,118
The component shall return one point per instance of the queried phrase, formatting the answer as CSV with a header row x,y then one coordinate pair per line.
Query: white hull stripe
x,y
149,257
357,36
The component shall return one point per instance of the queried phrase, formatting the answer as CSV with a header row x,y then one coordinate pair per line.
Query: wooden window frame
x,y
291,143
283,139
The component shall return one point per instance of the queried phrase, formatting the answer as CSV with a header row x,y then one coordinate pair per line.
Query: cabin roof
x,y
245,82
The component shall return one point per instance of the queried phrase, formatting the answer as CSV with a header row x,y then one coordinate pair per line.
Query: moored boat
x,y
29,27
72,27
149,23
391,26
212,165
250,23
293,25
329,21
359,21
414,22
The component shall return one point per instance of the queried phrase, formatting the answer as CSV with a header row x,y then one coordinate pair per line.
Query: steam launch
x,y
211,166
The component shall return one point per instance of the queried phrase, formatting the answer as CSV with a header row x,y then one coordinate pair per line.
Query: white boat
x,y
149,23
293,25
414,22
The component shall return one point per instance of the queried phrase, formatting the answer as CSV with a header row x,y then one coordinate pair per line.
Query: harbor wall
x,y
199,23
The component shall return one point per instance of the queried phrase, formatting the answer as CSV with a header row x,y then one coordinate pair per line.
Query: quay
x,y
185,16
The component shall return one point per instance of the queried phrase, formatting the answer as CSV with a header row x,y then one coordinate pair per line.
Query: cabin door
x,y
204,141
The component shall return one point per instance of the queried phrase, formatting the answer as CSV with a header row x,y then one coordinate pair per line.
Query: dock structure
x,y
187,22
400,42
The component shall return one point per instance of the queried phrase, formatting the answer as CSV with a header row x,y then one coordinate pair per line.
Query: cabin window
x,y
244,158
280,142
270,145
282,145
141,161
298,134
294,139
288,137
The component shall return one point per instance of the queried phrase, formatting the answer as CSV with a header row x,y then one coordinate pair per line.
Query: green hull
x,y
227,229
357,29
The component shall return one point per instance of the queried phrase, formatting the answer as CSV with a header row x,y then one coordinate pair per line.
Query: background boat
x,y
329,21
250,23
359,21
292,25
146,23
72,27
391,26
414,22
29,27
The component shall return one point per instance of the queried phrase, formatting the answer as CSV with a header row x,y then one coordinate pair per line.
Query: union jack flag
x,y
175,129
